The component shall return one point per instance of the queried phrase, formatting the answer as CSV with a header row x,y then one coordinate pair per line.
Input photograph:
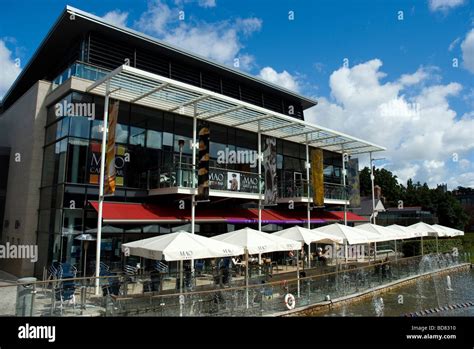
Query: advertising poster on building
x,y
249,183
110,172
317,177
203,167
233,181
270,171
94,163
353,183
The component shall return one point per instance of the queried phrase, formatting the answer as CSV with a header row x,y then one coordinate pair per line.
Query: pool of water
x,y
428,293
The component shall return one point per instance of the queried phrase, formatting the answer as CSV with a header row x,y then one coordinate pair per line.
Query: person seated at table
x,y
292,257
239,265
224,267
253,260
321,256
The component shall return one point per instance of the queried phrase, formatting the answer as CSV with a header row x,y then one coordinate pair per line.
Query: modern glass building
x,y
51,130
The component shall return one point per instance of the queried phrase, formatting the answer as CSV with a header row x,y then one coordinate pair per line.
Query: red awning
x,y
120,212
339,216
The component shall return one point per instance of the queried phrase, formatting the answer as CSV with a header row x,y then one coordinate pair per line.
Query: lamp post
x,y
372,179
85,238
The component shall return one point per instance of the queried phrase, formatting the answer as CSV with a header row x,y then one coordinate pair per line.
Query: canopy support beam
x,y
101,186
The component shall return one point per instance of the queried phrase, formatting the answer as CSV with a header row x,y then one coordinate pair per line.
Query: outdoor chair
x,y
110,284
199,266
67,270
161,267
64,294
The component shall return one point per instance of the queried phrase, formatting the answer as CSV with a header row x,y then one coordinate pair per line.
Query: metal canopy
x,y
138,86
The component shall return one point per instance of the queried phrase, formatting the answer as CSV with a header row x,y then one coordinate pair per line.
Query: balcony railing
x,y
335,191
219,179
80,70
299,188
238,181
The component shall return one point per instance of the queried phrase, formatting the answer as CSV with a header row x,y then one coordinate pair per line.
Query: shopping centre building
x,y
262,163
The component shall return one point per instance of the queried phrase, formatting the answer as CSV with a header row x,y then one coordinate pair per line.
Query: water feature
x,y
448,283
425,293
378,305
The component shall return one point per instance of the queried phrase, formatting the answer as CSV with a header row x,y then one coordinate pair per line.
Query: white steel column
x,y
308,205
101,186
259,147
193,174
344,185
193,196
372,179
308,184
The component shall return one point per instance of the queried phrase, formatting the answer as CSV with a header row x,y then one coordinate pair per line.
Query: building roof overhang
x,y
137,86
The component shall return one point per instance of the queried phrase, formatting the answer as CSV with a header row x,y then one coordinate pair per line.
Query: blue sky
x,y
399,88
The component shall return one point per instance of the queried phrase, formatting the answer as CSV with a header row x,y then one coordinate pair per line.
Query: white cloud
x,y
444,5
201,3
220,41
421,132
464,164
207,3
10,69
413,79
249,25
155,19
453,44
283,79
116,17
467,47
464,180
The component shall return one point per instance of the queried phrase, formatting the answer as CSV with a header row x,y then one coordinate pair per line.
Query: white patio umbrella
x,y
351,235
408,233
427,229
385,233
181,246
308,236
450,231
256,242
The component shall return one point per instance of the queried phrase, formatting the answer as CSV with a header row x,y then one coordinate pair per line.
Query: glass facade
x,y
151,148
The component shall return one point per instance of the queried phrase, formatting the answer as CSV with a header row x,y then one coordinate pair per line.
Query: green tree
x,y
391,189
448,210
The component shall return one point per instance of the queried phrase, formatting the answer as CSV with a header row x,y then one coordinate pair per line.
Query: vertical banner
x,y
353,183
317,177
270,171
109,183
203,169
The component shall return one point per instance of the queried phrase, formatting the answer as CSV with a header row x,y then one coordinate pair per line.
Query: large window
x,y
77,157
153,139
80,127
150,139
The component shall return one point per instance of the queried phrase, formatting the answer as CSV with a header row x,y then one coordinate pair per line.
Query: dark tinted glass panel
x,y
77,157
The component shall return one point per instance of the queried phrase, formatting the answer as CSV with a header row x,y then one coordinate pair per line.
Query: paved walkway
x,y
7,294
